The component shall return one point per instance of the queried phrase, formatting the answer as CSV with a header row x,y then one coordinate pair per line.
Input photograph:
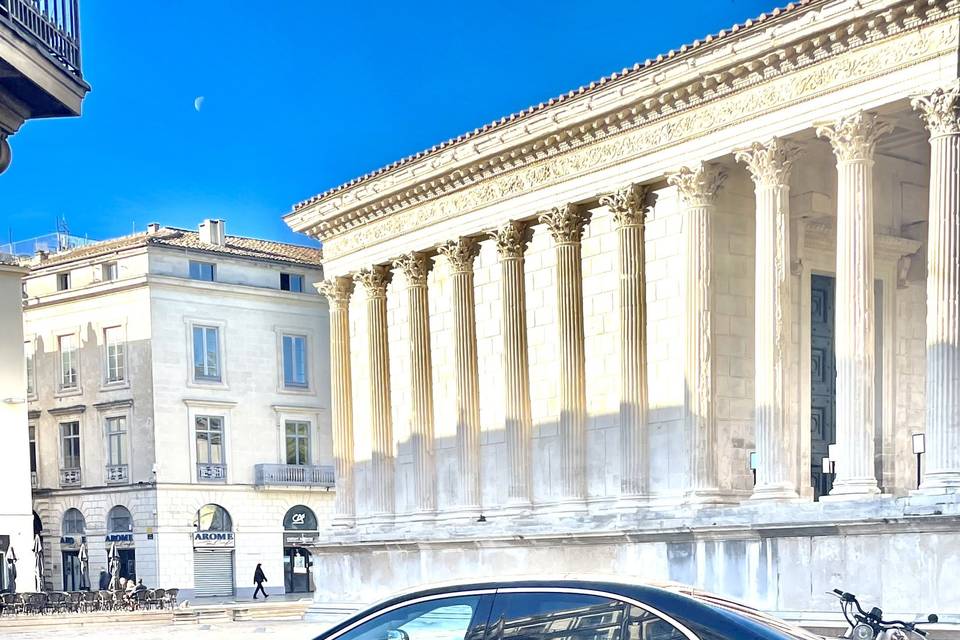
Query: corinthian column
x,y
630,208
374,281
461,254
566,225
337,291
415,267
698,188
853,139
512,239
769,165
942,117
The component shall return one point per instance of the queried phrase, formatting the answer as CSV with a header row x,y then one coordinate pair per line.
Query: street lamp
x,y
919,448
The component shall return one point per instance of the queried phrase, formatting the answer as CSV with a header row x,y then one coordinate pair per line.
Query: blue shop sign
x,y
213,539
120,537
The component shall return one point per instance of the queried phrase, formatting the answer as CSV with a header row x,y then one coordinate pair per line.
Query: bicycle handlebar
x,y
847,597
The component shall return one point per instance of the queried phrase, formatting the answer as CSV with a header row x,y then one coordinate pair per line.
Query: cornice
x,y
798,40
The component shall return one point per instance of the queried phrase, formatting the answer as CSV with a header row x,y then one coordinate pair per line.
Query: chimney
x,y
212,232
153,227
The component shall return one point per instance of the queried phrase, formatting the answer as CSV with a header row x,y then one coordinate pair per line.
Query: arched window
x,y
73,524
300,518
119,520
213,517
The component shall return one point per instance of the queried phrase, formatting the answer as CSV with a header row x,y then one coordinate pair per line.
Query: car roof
x,y
673,599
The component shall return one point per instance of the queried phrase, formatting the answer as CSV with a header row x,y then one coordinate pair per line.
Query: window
x,y
206,353
63,281
70,444
119,520
116,440
213,517
291,282
115,352
68,361
440,619
73,524
202,271
28,351
108,271
33,449
298,442
295,361
209,439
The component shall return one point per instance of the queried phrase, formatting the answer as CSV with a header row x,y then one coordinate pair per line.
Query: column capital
x,y
630,204
415,267
769,163
374,280
854,136
460,253
566,223
940,110
512,239
337,290
698,186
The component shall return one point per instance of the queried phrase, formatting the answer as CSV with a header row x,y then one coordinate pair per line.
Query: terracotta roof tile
x,y
238,246
552,101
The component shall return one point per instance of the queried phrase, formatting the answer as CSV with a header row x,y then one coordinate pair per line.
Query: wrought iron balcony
x,y
54,25
301,475
69,477
117,474
209,472
34,480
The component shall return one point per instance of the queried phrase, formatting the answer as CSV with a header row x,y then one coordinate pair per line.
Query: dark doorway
x,y
128,563
823,381
71,571
297,570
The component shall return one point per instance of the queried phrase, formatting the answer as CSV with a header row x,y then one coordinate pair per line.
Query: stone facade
x,y
641,359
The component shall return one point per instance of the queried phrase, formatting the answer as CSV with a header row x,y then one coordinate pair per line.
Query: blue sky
x,y
302,96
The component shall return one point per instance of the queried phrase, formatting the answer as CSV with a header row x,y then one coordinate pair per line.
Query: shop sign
x,y
212,539
301,538
120,539
300,518
68,541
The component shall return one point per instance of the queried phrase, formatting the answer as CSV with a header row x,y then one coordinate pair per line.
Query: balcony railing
x,y
54,24
208,472
34,480
302,475
69,477
117,474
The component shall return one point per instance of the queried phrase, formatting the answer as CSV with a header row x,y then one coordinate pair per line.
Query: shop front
x,y
213,548
299,533
120,533
73,536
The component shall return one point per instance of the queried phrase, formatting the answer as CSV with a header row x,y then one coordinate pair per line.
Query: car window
x,y
439,619
574,616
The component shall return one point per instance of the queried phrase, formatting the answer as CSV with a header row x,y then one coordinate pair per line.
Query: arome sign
x,y
205,539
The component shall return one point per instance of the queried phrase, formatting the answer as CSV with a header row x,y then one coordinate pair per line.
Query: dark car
x,y
561,610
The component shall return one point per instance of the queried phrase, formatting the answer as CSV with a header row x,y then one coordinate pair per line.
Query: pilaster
x,y
566,225
940,111
698,188
853,139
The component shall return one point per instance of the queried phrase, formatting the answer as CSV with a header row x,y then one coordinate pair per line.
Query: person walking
x,y
259,578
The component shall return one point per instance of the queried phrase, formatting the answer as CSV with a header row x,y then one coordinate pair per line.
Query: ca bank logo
x,y
298,518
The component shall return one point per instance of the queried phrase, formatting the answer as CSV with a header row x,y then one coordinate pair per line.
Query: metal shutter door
x,y
213,573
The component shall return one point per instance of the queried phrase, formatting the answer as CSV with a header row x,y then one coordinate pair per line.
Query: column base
x,y
709,497
565,506
460,514
343,522
853,489
376,519
783,492
940,483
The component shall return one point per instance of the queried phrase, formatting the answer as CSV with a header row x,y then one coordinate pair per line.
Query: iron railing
x,y
304,475
210,472
117,473
54,24
69,477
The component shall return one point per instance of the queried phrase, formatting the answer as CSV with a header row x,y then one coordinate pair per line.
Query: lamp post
x,y
919,448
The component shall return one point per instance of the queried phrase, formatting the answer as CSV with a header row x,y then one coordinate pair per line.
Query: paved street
x,y
295,630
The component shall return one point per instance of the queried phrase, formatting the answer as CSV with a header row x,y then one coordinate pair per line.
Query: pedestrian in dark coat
x,y
104,581
259,578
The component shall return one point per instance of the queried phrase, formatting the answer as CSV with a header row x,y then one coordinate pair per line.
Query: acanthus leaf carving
x,y
338,291
512,239
374,280
769,164
630,204
940,109
415,267
566,223
854,136
460,254
698,186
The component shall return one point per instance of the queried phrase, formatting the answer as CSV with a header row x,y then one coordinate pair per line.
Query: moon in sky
x,y
198,102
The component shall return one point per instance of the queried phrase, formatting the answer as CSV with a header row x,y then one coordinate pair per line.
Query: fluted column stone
x,y
461,254
566,225
415,267
630,207
512,239
769,165
941,114
382,468
854,139
698,188
338,291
